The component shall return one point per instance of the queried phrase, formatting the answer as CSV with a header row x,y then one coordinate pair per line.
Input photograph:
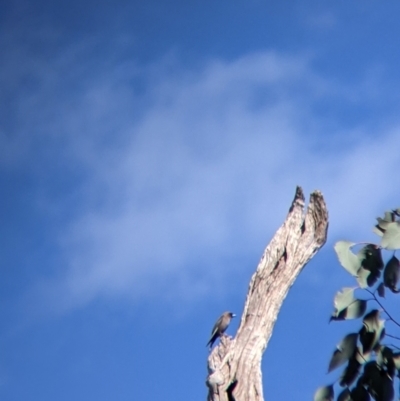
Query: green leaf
x,y
391,274
346,306
356,309
390,215
344,298
382,225
324,393
395,211
366,278
345,350
391,237
346,257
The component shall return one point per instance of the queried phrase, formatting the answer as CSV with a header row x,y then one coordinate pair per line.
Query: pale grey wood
x,y
234,365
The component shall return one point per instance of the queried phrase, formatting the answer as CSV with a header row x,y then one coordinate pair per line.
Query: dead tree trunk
x,y
234,366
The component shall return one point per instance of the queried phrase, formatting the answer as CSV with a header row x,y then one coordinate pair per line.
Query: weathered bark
x,y
234,366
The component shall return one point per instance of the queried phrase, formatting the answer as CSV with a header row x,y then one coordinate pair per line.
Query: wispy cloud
x,y
183,171
322,20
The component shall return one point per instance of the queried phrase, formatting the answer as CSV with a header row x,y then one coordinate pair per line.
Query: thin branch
x,y
389,335
384,309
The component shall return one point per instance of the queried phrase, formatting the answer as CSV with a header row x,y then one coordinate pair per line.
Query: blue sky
x,y
149,151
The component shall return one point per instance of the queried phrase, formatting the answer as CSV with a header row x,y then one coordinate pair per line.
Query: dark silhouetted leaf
x,y
396,360
377,382
391,238
359,393
385,361
371,373
347,258
371,257
381,290
367,340
371,319
325,393
371,265
344,395
382,389
350,373
391,274
344,351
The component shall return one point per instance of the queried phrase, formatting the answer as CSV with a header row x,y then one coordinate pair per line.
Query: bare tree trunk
x,y
234,366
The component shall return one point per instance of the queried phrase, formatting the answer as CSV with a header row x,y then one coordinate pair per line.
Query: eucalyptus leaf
x,y
381,227
371,376
371,265
396,360
344,298
324,393
391,274
356,309
372,331
371,257
383,223
344,395
371,320
362,357
344,351
391,238
385,360
346,306
359,392
378,231
381,388
346,257
381,290
396,212
350,373
389,217
362,277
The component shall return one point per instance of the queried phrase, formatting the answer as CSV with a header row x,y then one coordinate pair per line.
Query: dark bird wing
x,y
215,333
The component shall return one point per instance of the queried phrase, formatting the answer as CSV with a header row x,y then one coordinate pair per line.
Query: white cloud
x,y
206,172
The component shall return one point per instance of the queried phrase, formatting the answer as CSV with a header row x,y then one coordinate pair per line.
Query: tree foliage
x,y
371,367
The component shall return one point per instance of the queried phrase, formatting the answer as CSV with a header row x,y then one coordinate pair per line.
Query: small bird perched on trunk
x,y
220,326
